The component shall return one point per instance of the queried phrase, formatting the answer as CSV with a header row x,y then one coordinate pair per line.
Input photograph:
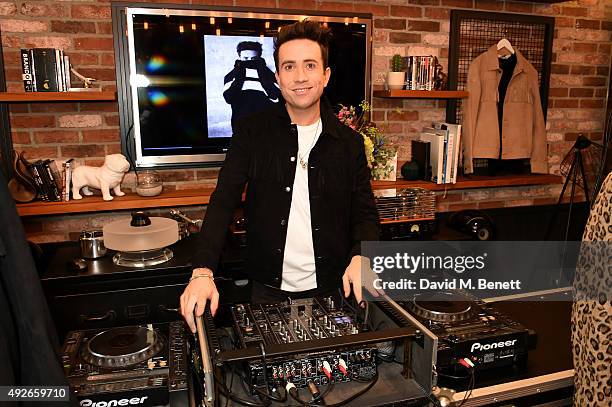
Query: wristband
x,y
202,275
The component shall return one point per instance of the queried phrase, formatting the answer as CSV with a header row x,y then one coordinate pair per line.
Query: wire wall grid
x,y
473,33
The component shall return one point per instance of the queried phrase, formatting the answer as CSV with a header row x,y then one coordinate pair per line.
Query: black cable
x,y
258,391
315,400
230,388
243,382
468,391
264,364
359,393
128,147
267,395
374,380
129,151
198,379
224,390
450,376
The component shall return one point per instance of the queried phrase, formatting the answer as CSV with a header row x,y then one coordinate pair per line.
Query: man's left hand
x,y
352,276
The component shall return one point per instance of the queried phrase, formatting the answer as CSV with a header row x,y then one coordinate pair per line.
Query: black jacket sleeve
x,y
364,215
29,347
224,200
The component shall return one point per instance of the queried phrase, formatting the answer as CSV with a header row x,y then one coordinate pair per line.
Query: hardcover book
x,y
45,68
26,68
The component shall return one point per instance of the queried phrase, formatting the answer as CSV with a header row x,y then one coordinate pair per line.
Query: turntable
x,y
146,362
141,241
468,328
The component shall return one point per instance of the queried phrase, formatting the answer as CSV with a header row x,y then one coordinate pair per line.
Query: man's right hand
x,y
199,290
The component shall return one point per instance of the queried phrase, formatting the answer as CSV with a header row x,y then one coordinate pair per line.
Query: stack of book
x,y
52,184
45,70
444,151
420,72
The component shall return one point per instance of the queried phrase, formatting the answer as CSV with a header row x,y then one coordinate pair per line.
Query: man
x,y
309,202
250,87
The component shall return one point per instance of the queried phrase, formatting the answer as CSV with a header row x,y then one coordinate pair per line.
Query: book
x,y
443,133
45,68
420,72
453,148
26,69
448,150
59,70
455,131
66,179
53,191
436,155
34,87
67,71
57,177
36,174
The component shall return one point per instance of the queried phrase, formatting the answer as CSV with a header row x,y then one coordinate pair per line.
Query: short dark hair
x,y
305,29
249,46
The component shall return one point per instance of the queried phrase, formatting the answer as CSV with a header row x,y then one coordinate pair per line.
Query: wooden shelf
x,y
202,196
474,181
28,97
421,94
127,202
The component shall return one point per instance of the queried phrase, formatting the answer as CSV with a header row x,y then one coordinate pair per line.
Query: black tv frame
x,y
125,105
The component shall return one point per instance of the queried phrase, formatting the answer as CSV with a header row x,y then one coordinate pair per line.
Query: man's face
x,y
248,55
301,74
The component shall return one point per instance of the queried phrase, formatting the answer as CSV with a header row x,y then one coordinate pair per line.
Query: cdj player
x,y
468,328
136,365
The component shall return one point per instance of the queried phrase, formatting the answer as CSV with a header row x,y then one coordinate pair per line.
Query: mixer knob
x,y
331,304
325,320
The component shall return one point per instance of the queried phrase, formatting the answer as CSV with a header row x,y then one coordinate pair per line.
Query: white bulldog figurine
x,y
104,178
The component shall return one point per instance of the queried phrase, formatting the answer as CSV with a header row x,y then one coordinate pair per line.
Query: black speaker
x,y
475,223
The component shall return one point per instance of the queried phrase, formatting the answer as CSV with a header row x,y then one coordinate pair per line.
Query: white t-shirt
x,y
299,271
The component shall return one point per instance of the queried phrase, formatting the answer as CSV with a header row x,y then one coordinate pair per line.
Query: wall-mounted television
x,y
185,72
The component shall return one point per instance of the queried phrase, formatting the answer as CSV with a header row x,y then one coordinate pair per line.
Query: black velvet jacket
x,y
263,156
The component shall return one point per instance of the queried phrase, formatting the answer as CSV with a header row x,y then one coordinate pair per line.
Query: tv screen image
x,y
185,74
240,80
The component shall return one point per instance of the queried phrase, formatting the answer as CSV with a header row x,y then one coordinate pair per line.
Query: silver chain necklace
x,y
304,163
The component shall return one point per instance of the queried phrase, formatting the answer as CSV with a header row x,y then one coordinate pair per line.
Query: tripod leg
x,y
574,175
559,201
584,182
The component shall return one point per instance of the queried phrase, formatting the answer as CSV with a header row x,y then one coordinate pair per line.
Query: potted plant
x,y
396,79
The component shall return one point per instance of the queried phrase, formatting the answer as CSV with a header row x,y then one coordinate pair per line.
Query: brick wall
x,y
578,83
